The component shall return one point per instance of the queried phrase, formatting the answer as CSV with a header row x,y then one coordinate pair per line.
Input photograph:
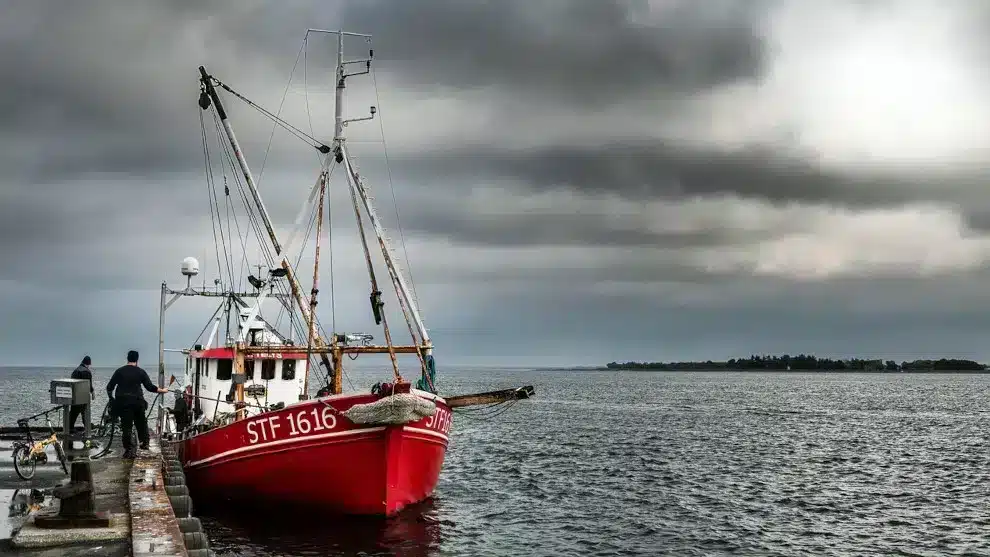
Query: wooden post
x,y
338,369
239,381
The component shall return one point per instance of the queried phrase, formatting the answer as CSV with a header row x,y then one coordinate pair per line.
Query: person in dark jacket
x,y
129,401
82,372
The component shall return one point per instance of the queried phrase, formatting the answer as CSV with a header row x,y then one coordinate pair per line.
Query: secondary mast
x,y
357,185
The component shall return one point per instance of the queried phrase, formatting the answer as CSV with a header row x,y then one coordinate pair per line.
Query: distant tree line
x,y
806,362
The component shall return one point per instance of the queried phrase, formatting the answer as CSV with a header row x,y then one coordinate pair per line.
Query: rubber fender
x,y
191,524
176,490
182,505
196,540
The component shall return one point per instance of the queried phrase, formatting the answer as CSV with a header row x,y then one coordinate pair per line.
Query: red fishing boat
x,y
245,424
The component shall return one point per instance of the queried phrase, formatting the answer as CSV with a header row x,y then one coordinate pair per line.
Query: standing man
x,y
129,401
82,372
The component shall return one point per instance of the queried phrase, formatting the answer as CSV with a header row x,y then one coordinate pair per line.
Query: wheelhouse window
x,y
267,370
225,369
288,370
249,370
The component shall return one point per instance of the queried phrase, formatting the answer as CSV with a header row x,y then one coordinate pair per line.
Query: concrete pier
x,y
154,527
142,522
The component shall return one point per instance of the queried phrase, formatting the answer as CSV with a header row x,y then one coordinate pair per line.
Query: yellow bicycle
x,y
28,453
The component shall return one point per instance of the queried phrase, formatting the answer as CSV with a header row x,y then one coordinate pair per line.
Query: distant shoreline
x,y
808,363
741,370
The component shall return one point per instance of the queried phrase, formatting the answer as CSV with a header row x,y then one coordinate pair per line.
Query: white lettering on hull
x,y
439,421
302,422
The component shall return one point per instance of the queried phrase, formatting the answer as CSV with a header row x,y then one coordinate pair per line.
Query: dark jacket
x,y
128,380
82,373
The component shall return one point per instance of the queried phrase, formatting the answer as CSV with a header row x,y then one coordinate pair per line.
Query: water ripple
x,y
606,463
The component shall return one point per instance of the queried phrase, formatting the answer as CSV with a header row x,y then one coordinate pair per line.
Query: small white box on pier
x,y
70,391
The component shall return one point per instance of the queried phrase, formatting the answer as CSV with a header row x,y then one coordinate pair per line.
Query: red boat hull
x,y
309,455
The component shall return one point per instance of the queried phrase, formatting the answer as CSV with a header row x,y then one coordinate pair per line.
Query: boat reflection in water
x,y
257,532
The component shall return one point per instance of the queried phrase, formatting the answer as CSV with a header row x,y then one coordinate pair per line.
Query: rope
x,y
480,414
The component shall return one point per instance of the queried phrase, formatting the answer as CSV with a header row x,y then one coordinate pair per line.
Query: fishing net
x,y
395,409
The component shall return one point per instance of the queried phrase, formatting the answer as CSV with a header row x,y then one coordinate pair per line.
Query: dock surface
x,y
142,522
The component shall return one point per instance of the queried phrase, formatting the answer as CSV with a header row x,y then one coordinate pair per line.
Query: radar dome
x,y
190,267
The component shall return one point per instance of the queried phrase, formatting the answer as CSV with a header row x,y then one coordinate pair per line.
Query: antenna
x,y
342,74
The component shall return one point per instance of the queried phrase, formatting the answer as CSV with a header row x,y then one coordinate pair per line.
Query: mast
x,y
356,183
316,282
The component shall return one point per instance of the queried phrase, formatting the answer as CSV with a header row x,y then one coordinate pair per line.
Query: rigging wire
x,y
209,189
306,138
252,218
302,248
388,168
208,321
261,173
230,232
309,113
231,209
215,201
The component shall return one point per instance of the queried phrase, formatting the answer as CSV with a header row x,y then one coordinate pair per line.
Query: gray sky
x,y
578,181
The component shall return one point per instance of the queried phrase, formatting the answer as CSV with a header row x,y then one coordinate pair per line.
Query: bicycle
x,y
27,454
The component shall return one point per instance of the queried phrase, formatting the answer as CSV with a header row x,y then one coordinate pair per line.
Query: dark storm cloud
x,y
104,74
581,51
111,87
113,90
651,169
103,188
534,228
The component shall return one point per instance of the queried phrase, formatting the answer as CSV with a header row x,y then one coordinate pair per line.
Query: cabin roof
x,y
228,354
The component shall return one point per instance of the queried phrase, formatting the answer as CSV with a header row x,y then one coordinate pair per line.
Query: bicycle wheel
x,y
106,422
60,452
24,465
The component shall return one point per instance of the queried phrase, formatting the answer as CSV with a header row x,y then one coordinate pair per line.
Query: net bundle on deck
x,y
399,408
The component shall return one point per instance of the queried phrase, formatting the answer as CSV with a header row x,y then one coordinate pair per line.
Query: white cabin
x,y
270,378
